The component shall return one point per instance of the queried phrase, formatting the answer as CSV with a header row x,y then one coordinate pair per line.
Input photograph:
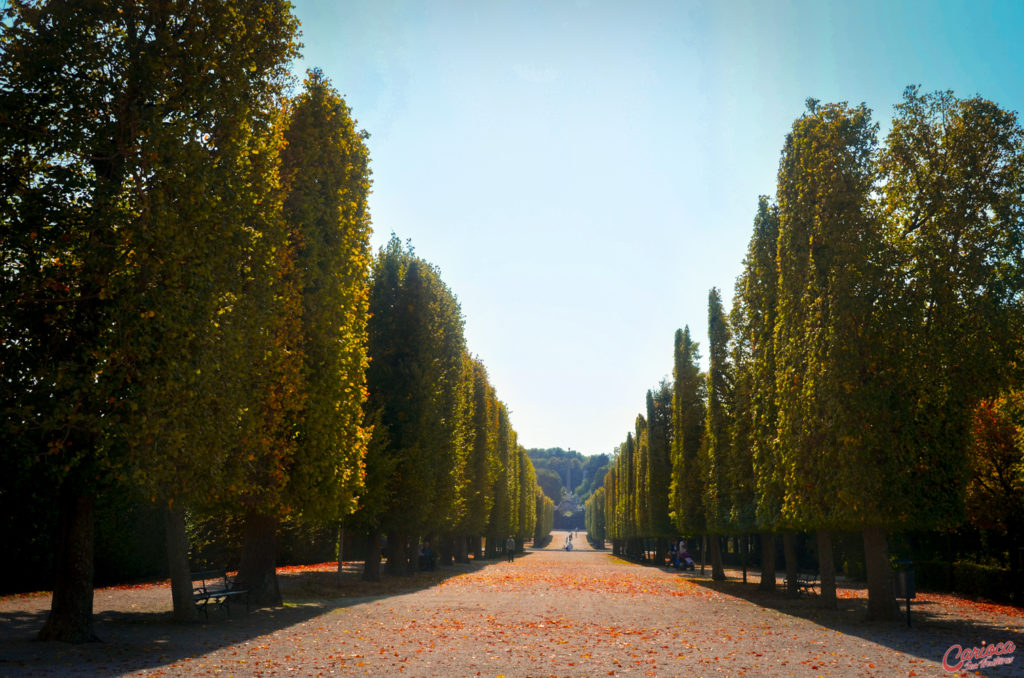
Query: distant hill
x,y
579,475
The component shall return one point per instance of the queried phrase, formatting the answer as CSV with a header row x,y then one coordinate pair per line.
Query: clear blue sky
x,y
583,173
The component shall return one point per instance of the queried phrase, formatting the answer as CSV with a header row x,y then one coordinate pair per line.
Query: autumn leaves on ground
x,y
550,613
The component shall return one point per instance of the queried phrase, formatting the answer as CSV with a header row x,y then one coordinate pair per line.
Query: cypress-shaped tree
x,y
688,414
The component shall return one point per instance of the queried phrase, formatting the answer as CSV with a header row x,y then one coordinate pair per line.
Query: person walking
x,y
510,549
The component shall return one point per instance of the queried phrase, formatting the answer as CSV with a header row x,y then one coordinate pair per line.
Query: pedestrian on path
x,y
510,549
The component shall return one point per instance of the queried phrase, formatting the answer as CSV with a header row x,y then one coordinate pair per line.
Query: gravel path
x,y
550,613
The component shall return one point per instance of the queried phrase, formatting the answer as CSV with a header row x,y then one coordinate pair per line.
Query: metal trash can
x,y
905,587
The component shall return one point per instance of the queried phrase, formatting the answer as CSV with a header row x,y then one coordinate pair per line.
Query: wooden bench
x,y
214,586
806,582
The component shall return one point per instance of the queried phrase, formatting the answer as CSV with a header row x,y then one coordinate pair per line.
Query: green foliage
x,y
659,464
545,518
120,261
715,451
952,196
595,515
688,415
527,519
325,171
550,482
417,349
568,464
828,280
757,468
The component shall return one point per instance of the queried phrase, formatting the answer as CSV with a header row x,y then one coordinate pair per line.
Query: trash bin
x,y
905,585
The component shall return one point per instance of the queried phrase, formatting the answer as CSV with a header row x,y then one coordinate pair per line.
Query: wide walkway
x,y
550,613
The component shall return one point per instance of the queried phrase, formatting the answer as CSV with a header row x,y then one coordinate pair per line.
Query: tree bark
x,y
717,571
462,549
767,582
477,550
258,572
447,551
792,565
371,567
341,553
881,597
177,564
744,545
826,569
70,618
703,552
396,553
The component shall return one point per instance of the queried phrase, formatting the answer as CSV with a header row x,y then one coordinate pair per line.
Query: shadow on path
x,y
934,626
149,640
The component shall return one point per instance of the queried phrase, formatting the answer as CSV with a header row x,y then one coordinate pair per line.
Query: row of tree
x,y
186,296
443,460
880,302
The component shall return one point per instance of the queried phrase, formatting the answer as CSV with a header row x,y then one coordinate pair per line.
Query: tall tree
x,y
324,167
754,357
952,195
829,278
688,413
716,450
417,348
117,121
480,466
659,442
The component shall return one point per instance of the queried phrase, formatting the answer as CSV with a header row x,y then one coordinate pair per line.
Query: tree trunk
x,y
371,568
881,597
462,549
397,556
744,542
717,571
792,565
447,551
767,562
703,552
177,564
341,553
70,617
660,551
826,569
258,572
477,549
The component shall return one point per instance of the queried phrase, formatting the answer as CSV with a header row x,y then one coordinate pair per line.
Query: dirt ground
x,y
550,613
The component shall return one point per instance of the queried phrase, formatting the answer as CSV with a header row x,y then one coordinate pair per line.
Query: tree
x,y
550,482
117,254
504,517
716,450
417,348
545,517
952,195
324,168
527,499
659,467
688,414
641,479
595,517
758,496
481,468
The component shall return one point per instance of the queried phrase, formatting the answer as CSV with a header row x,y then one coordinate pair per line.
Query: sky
x,y
583,173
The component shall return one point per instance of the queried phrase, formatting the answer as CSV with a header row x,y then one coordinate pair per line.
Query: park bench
x,y
214,586
806,582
